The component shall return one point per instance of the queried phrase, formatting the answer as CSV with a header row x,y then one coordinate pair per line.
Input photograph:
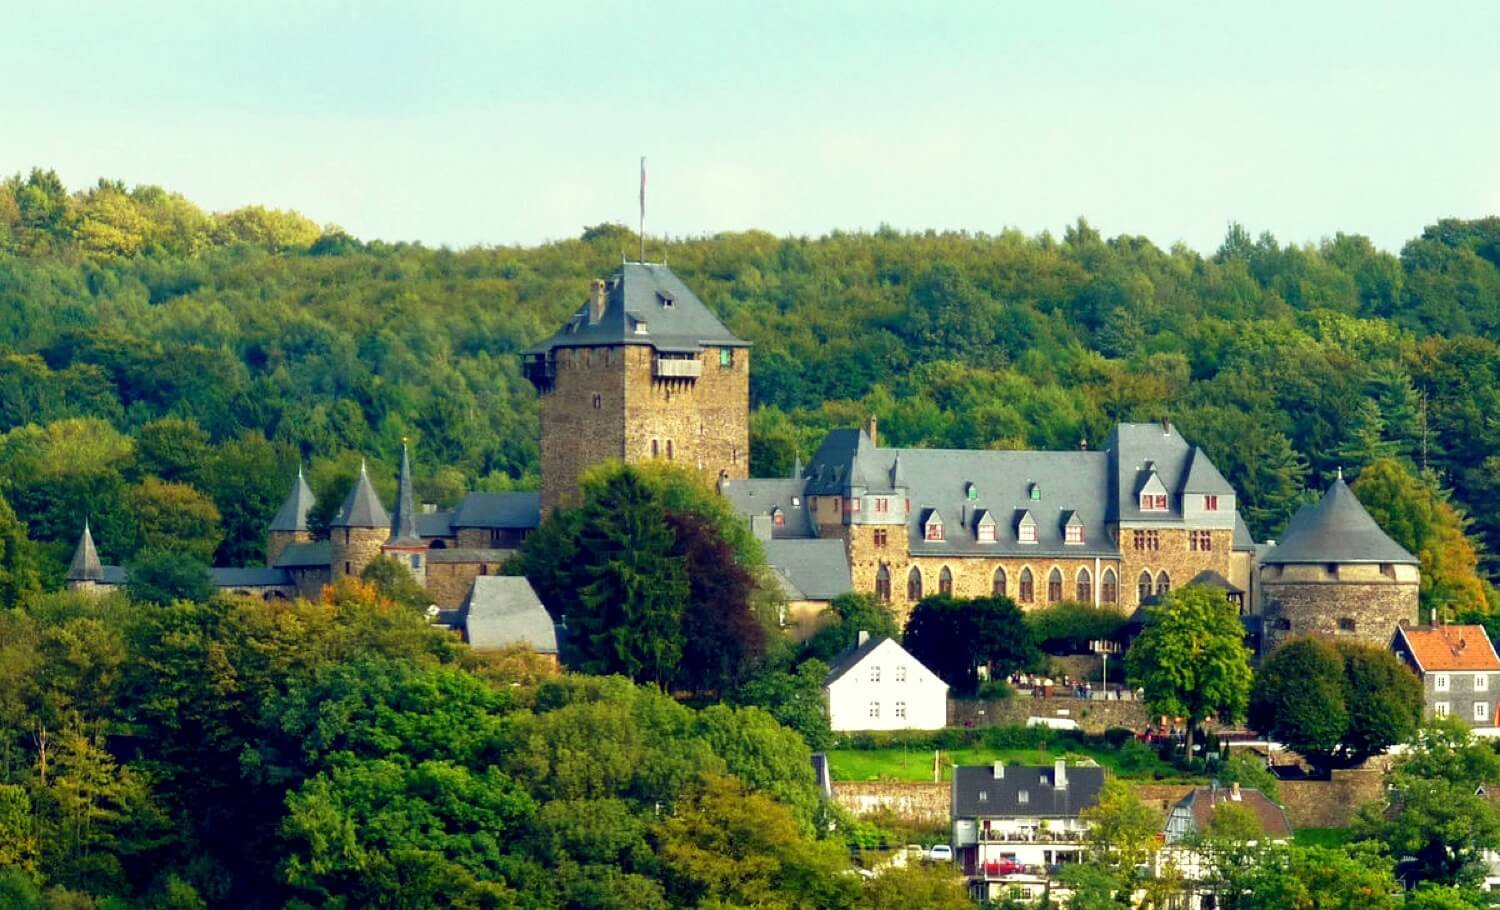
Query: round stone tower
x,y
361,529
1336,574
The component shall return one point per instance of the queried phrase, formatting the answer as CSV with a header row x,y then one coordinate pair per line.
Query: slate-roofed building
x,y
1114,527
1336,574
643,370
1014,826
1459,669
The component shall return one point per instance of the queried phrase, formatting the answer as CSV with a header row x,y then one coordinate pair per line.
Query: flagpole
x,y
643,209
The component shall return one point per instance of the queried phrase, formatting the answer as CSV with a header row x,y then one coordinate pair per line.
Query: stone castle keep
x,y
645,371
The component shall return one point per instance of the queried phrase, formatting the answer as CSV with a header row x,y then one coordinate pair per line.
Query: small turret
x,y
360,530
85,571
290,524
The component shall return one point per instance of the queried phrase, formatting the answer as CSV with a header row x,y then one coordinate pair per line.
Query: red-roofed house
x,y
1459,668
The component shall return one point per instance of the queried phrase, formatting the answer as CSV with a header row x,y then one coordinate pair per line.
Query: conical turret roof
x,y
1336,529
85,565
362,508
404,527
294,510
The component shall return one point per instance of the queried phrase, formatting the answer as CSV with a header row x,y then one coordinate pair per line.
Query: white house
x,y
877,685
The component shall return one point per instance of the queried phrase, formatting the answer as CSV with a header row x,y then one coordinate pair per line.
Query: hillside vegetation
x,y
153,353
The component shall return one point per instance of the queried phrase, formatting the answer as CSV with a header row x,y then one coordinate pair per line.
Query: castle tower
x,y
85,572
1336,574
357,534
404,545
642,371
290,524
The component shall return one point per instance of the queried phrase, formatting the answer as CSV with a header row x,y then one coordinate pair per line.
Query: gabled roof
x,y
362,508
811,569
650,296
404,523
503,610
1202,802
85,565
516,511
292,516
1336,529
977,793
1448,648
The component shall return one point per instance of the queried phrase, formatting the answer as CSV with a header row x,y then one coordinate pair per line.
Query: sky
x,y
462,123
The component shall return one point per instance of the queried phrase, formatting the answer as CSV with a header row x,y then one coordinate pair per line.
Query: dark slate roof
x,y
1336,529
85,565
1243,540
1001,797
249,578
468,554
503,610
1135,449
293,513
762,497
850,658
636,312
811,569
314,554
363,508
520,511
435,524
404,523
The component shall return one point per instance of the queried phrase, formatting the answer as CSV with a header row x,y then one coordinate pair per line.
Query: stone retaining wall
x,y
1091,715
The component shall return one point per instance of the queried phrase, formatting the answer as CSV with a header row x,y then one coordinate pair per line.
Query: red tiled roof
x,y
1450,648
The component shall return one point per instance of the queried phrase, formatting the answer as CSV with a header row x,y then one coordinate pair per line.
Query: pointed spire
x,y
404,527
362,508
292,516
85,565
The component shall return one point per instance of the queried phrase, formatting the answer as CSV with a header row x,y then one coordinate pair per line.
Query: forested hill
x,y
263,339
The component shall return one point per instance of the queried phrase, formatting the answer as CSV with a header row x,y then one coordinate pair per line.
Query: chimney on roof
x,y
1234,791
863,637
1060,775
999,770
598,295
871,430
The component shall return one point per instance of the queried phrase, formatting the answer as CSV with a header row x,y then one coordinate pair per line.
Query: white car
x,y
940,853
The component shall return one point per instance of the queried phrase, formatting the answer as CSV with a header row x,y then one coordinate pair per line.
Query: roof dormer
x,y
1025,527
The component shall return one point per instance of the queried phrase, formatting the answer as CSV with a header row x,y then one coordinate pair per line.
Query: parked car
x,y
940,853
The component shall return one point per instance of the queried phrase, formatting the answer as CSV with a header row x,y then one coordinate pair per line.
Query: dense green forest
x,y
162,369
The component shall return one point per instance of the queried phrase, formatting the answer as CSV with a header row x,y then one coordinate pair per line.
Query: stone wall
x,y
1295,605
582,419
1173,556
1091,715
911,801
351,549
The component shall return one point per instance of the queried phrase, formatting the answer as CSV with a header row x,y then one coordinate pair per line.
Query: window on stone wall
x,y
1054,586
1085,585
945,581
914,584
883,584
1028,590
1108,589
999,583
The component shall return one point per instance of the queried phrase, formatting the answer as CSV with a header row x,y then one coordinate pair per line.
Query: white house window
x,y
901,709
1440,709
1440,682
875,709
875,674
901,674
1481,682
1481,710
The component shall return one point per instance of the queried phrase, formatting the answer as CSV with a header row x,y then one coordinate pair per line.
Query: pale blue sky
x,y
485,122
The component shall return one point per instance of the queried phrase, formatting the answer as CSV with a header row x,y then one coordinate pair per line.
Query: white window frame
x,y
1440,682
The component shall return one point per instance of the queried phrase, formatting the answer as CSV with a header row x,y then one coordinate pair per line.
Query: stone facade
x,y
351,549
1363,602
278,541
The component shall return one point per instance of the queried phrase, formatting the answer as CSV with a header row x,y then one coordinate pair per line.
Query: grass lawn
x,y
916,764
1320,837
